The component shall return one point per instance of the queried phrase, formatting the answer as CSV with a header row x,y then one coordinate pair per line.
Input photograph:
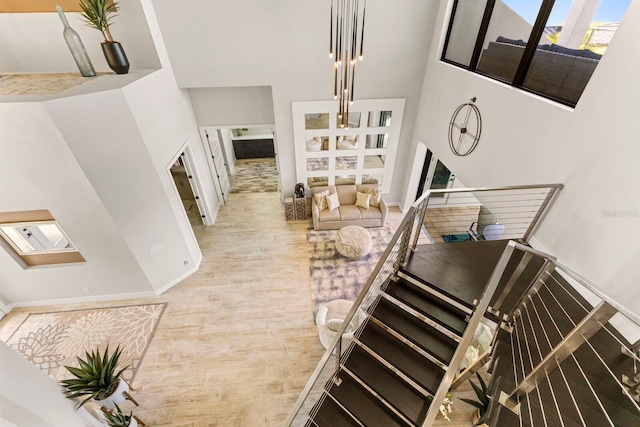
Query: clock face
x,y
465,128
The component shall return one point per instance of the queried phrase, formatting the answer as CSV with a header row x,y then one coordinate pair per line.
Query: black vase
x,y
116,58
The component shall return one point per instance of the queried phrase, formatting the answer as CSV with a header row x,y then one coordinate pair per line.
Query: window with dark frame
x,y
548,47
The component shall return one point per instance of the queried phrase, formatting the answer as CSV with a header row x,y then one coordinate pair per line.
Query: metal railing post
x,y
541,210
421,213
338,354
468,334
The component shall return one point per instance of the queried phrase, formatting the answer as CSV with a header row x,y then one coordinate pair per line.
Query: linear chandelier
x,y
343,48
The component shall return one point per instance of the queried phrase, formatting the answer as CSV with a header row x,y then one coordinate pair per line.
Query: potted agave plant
x,y
99,14
117,418
97,378
482,404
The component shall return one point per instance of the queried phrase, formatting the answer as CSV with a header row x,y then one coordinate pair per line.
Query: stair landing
x,y
459,270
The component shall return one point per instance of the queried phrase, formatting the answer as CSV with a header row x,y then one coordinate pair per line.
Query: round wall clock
x,y
465,128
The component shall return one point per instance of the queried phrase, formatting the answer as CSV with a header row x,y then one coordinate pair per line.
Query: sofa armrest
x,y
384,209
315,213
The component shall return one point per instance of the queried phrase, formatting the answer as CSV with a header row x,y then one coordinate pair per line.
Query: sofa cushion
x,y
376,195
346,194
321,200
332,201
327,215
362,200
371,213
349,213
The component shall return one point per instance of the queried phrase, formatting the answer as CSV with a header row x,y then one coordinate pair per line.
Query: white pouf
x,y
353,242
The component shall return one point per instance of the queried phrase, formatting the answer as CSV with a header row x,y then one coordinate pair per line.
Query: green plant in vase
x,y
97,376
117,418
99,14
482,404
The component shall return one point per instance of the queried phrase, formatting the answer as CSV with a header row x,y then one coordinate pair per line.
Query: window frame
x,y
37,258
527,57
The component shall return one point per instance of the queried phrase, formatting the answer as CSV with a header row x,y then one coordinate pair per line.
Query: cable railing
x,y
573,355
411,231
492,213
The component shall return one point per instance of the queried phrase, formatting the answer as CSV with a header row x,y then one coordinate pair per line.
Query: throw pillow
x,y
375,196
362,200
321,200
332,201
334,324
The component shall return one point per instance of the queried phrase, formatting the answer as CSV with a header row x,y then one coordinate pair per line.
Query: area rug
x,y
255,176
52,340
335,277
41,84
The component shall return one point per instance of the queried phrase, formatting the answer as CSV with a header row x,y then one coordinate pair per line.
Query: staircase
x,y
583,386
556,358
392,372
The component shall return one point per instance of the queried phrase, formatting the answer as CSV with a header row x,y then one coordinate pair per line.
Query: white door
x,y
220,168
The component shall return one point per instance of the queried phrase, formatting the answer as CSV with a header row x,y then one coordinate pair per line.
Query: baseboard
x,y
76,300
180,278
6,308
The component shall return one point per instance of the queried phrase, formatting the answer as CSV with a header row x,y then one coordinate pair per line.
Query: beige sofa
x,y
347,213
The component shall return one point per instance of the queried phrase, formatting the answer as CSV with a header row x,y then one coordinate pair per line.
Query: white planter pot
x,y
116,398
133,423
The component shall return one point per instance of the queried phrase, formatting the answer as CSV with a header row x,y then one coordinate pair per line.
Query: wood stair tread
x,y
388,385
331,414
429,305
363,405
460,270
404,358
425,336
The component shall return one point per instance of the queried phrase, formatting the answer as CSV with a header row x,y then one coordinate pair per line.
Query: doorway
x,y
435,176
183,179
247,153
218,164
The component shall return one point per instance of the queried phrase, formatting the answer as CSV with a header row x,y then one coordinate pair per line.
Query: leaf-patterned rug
x,y
52,340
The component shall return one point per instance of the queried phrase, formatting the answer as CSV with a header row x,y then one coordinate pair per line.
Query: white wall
x,y
22,385
592,149
232,105
38,171
33,42
227,143
284,44
105,137
115,146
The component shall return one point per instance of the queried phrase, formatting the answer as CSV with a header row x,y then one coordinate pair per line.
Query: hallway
x,y
236,343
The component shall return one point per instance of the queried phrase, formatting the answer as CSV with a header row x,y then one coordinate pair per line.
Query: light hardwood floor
x,y
237,341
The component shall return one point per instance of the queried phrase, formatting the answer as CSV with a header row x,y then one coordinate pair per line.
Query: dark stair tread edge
x,y
421,370
387,384
436,288
330,414
429,339
362,404
434,291
429,306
